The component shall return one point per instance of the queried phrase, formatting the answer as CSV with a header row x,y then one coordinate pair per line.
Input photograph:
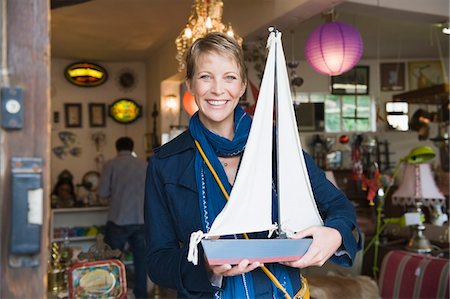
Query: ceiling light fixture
x,y
334,48
206,16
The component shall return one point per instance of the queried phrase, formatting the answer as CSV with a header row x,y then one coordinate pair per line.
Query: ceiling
x,y
132,30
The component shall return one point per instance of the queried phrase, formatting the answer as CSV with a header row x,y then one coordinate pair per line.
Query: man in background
x,y
122,182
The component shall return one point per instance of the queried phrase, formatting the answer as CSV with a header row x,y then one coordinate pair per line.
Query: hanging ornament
x,y
189,104
334,48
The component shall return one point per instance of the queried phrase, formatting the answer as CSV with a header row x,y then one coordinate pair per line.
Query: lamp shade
x,y
189,104
420,154
417,184
333,48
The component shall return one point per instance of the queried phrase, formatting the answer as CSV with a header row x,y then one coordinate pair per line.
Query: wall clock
x,y
126,80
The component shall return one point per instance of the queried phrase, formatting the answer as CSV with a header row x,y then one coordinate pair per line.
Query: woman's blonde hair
x,y
215,42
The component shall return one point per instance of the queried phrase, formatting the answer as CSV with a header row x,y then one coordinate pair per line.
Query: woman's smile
x,y
217,102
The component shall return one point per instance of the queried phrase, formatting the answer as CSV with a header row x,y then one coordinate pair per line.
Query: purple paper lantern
x,y
334,48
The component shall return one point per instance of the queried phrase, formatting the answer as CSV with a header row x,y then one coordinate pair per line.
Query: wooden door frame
x,y
25,55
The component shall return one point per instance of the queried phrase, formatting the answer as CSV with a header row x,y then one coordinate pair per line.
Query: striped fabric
x,y
411,275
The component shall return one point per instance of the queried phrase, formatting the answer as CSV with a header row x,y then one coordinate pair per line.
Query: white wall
x,y
62,91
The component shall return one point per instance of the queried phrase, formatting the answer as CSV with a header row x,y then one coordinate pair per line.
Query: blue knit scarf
x,y
212,200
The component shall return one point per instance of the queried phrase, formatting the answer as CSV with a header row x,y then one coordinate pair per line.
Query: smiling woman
x,y
201,165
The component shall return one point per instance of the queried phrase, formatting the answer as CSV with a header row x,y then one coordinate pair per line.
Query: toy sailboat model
x,y
249,208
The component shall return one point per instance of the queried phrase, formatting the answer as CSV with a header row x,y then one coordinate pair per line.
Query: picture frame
x,y
352,82
97,115
392,76
73,116
422,74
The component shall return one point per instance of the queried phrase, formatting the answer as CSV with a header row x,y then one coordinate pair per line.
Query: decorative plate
x,y
125,111
100,279
91,180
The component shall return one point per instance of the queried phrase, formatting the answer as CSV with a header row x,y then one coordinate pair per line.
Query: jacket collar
x,y
183,142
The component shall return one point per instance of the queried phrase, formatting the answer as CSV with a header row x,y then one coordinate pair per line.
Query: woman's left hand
x,y
231,270
326,241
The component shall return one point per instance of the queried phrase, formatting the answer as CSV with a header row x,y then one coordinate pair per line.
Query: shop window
x,y
343,113
397,115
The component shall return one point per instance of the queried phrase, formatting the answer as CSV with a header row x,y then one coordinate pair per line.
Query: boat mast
x,y
281,234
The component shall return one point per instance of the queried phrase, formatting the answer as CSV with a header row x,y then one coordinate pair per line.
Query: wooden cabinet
x,y
79,225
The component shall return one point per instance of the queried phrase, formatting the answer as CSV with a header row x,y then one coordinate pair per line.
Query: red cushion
x,y
411,275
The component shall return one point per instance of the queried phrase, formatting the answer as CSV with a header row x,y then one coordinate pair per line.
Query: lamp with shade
x,y
417,156
418,188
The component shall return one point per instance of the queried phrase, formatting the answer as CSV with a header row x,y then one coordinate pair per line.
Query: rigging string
x,y
269,274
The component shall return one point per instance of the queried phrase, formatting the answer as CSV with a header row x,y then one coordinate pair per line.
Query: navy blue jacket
x,y
172,213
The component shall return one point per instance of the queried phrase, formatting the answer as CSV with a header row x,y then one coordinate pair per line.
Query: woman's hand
x,y
228,270
326,241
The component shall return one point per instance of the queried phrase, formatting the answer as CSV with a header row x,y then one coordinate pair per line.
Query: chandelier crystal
x,y
206,16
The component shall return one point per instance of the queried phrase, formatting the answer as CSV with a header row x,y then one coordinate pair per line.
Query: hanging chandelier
x,y
206,16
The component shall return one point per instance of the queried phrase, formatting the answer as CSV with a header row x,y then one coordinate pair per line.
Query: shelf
x,y
75,239
83,217
82,210
433,95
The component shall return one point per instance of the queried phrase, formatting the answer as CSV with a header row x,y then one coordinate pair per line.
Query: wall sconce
x,y
171,102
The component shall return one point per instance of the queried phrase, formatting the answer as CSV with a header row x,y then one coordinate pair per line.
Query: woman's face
x,y
217,87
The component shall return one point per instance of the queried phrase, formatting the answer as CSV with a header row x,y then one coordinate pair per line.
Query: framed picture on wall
x,y
352,82
97,115
72,112
392,76
425,74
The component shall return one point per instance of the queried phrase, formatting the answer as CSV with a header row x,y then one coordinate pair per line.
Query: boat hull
x,y
232,251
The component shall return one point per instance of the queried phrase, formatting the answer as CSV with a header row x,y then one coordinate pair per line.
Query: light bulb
x,y
208,23
188,32
171,102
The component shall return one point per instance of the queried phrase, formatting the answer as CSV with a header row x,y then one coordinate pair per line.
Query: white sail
x,y
298,208
249,208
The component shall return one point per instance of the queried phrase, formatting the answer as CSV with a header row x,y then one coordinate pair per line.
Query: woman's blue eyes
x,y
228,78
